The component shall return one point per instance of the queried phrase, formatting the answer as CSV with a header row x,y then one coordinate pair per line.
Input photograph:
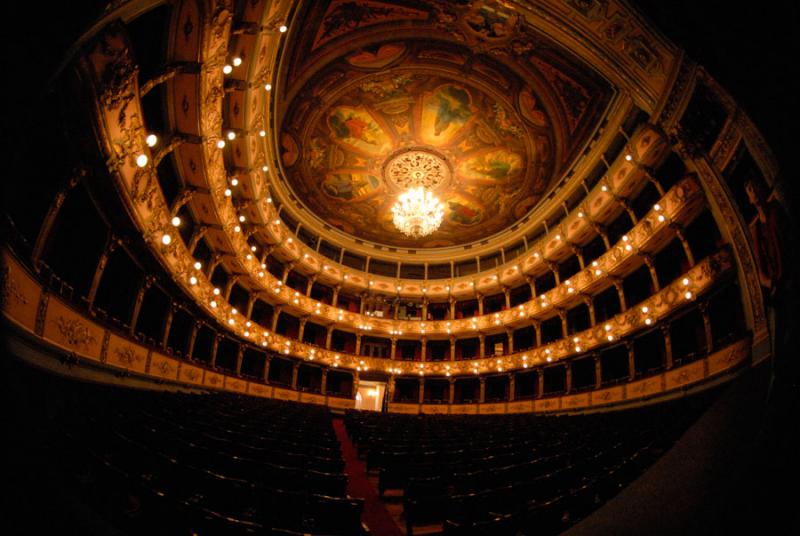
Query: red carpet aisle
x,y
375,515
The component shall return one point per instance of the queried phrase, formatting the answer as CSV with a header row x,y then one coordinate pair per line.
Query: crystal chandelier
x,y
417,212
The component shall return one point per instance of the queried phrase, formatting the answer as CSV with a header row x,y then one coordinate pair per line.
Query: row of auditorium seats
x,y
147,462
505,474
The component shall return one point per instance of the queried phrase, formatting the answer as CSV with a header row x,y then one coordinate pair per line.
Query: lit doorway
x,y
370,396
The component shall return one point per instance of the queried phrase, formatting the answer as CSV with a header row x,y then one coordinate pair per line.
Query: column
x,y
631,360
111,245
328,337
52,214
554,268
213,263
276,312
239,359
295,370
651,266
421,390
452,348
540,383
192,339
452,394
578,251
537,326
507,293
480,304
703,306
667,346
358,343
452,308
482,343
590,306
531,283
621,294
214,347
310,284
393,351
137,305
267,360
361,303
229,286
286,269
251,301
168,325
197,234
510,335
685,243
335,299
301,329
424,350
512,387
355,384
598,372
323,386
482,392
390,389
562,314
568,381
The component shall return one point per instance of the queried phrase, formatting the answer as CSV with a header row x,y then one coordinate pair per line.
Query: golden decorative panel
x,y
684,375
285,394
19,293
164,367
575,401
311,398
71,331
434,409
122,353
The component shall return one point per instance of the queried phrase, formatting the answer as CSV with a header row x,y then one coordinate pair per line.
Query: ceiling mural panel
x,y
495,105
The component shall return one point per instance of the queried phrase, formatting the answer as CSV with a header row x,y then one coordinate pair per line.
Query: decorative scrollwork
x,y
75,332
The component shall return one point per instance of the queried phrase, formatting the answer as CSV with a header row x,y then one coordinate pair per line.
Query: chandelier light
x,y
417,212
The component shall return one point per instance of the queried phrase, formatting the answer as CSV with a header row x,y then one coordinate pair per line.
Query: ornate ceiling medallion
x,y
417,212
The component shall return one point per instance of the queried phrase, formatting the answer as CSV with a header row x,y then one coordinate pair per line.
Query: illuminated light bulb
x,y
268,87
648,321
594,263
246,333
688,295
216,291
248,323
558,237
263,343
610,338
628,247
237,61
575,339
277,222
604,188
570,290
221,144
522,313
166,239
234,311
581,214
661,218
248,256
151,140
253,249
237,229
141,160
176,221
289,240
598,272
231,135
628,157
536,254
262,133
549,359
230,321
607,327
685,281
242,218
645,309
524,365
269,200
577,348
193,280
264,168
656,207
260,274
625,238
198,265
547,351
228,192
213,304
282,28
234,182
227,69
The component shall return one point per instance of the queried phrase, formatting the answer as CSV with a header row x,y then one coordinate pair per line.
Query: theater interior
x,y
396,267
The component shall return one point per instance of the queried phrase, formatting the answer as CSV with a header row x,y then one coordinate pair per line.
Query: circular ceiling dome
x,y
386,131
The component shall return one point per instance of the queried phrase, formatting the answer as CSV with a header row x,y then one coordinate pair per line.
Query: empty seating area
x,y
146,462
504,474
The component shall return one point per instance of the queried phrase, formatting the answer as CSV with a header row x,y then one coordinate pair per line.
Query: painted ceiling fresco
x,y
503,121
